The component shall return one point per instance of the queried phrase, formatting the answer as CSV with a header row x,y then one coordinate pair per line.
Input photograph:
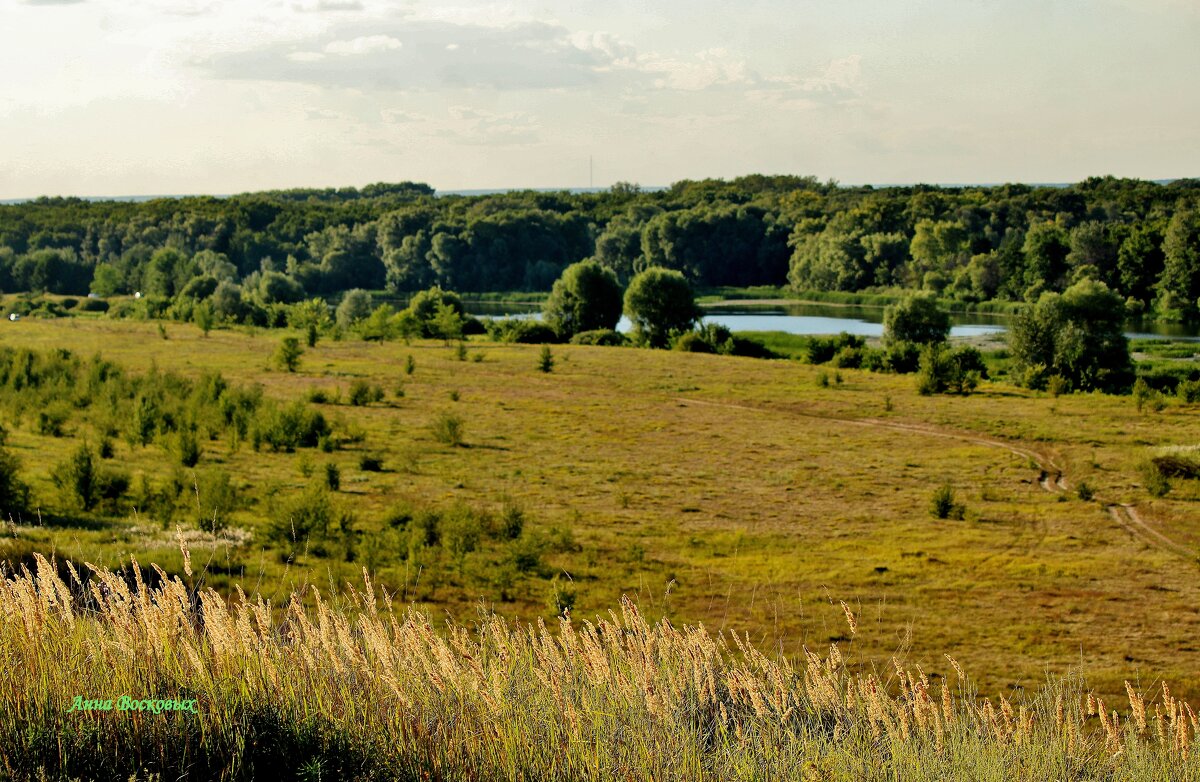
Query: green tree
x,y
204,317
916,319
425,305
287,355
447,323
14,493
586,297
77,478
660,302
356,305
1179,285
1077,335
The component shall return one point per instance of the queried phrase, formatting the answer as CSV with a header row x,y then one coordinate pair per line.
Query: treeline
x,y
1009,242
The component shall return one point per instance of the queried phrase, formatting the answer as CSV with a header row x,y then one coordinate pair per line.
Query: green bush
x,y
546,359
943,370
216,498
363,393
1153,479
370,463
309,518
522,331
823,349
14,493
189,448
943,506
287,355
606,337
1188,391
447,429
288,427
333,477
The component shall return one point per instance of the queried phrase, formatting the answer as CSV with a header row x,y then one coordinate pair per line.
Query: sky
x,y
128,97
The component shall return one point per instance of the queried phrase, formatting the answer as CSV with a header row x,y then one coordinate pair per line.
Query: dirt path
x,y
1051,479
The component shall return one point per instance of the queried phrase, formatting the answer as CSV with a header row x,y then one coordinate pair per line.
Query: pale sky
x,y
122,97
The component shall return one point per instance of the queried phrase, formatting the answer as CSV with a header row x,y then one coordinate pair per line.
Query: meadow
x,y
736,492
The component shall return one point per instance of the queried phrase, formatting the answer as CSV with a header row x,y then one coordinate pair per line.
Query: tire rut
x,y
1052,478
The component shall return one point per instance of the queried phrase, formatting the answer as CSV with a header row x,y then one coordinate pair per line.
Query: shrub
x,y
189,448
1153,479
1176,466
512,521
356,305
216,499
546,359
848,358
424,306
370,463
93,305
522,331
51,419
949,371
1188,391
917,319
1057,385
943,506
363,393
1084,491
606,337
823,349
14,493
692,342
333,477
287,355
310,517
448,429
410,364
76,478
292,426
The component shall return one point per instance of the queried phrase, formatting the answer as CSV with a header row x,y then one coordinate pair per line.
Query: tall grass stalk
x,y
353,690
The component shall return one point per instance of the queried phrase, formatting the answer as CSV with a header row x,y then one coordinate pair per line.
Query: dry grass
x,y
356,691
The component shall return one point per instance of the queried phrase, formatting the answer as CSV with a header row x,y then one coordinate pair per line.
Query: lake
x,y
801,318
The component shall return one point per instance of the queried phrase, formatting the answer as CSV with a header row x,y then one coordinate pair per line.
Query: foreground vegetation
x,y
355,691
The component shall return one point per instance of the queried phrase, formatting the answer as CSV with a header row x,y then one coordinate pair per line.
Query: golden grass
x,y
357,691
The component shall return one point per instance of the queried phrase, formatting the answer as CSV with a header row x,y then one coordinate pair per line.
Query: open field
x,y
734,492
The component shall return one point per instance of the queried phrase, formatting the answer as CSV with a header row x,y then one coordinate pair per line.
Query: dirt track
x,y
1052,478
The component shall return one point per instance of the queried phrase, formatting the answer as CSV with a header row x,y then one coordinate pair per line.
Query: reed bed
x,y
354,690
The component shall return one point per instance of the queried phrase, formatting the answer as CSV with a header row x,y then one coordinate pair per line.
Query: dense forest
x,y
971,244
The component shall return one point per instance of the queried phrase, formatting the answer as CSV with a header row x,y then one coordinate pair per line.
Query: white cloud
x,y
365,44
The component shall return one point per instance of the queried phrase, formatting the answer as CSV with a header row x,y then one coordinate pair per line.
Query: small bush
x,y
943,506
333,477
1153,479
1084,491
51,420
370,463
287,355
410,364
1057,385
1188,391
1176,466
522,331
318,396
14,493
822,379
605,337
447,429
363,393
546,359
560,598
189,448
